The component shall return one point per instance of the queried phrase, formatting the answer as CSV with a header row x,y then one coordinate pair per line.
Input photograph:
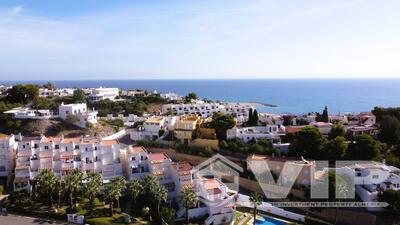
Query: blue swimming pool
x,y
270,221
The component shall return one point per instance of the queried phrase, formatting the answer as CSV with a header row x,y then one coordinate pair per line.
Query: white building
x,y
370,179
207,109
33,114
150,129
269,118
83,116
171,96
176,177
101,93
63,155
246,134
7,158
59,92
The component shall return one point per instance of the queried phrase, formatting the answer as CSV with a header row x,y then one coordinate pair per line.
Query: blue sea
x,y
290,95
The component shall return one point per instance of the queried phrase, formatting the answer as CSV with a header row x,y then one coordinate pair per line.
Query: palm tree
x,y
92,188
188,199
46,185
113,191
256,200
159,195
72,183
134,189
149,183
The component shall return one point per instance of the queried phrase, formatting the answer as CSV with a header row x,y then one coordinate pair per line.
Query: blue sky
x,y
103,39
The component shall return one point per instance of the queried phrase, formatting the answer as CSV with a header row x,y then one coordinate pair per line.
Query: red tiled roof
x,y
137,149
157,157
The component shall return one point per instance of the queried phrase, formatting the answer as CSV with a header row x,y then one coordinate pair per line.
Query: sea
x,y
294,96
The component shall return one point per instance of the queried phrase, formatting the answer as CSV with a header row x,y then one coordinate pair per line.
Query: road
x,y
24,220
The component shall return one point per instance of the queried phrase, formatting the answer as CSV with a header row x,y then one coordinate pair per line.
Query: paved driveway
x,y
23,220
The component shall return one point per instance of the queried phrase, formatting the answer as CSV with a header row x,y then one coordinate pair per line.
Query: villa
x,y
272,133
32,114
58,92
185,127
83,116
370,179
275,165
101,93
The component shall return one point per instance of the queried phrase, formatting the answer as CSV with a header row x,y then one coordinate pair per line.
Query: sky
x,y
204,39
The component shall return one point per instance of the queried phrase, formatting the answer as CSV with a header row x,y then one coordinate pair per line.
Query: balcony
x,y
22,172
89,166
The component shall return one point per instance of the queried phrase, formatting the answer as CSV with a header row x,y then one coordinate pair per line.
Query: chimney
x,y
62,137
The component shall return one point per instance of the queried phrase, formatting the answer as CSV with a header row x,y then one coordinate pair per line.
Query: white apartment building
x,y
60,92
207,109
246,134
63,155
7,158
101,93
370,179
80,111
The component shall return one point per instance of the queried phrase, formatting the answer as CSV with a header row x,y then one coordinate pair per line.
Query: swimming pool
x,y
270,221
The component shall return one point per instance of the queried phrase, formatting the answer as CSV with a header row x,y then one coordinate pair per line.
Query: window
x,y
133,158
76,146
375,176
57,146
2,168
46,147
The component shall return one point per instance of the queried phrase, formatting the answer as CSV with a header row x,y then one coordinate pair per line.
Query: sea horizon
x,y
295,96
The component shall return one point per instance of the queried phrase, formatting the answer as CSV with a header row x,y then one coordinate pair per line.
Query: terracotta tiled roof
x,y
137,149
109,142
157,157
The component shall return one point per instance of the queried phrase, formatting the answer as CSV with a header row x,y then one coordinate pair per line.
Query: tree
x,y
79,96
336,148
256,200
365,147
159,195
190,96
253,117
325,116
92,188
113,191
390,130
49,86
168,214
392,197
22,93
336,131
188,199
308,142
250,119
72,184
134,189
221,123
46,185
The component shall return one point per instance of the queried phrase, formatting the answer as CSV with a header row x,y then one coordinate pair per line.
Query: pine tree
x,y
255,118
250,117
